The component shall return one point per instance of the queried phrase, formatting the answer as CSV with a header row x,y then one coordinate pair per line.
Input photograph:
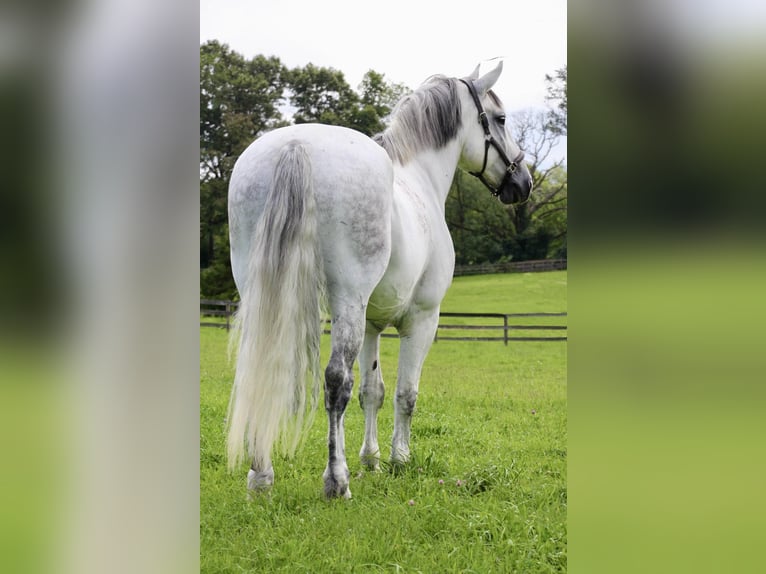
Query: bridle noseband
x,y
510,165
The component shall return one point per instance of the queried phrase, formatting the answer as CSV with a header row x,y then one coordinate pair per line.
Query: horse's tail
x,y
276,385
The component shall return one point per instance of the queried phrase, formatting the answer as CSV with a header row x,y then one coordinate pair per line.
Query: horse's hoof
x,y
262,480
399,458
336,480
334,488
336,491
370,462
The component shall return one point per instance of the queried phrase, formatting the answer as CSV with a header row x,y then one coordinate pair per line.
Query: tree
x,y
538,233
321,95
538,133
477,222
239,100
378,99
557,94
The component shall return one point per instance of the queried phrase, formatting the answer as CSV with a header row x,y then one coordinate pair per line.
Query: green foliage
x,y
379,94
239,100
378,99
541,222
486,231
216,281
478,223
557,95
321,95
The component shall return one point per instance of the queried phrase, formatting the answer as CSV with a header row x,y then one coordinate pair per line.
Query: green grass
x,y
485,491
508,293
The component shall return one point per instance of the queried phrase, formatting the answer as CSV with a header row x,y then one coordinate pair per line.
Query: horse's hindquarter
x,y
352,182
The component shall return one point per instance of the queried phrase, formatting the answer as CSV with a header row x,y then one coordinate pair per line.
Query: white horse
x,y
325,214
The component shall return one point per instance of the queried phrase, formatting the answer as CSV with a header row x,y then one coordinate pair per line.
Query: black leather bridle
x,y
510,165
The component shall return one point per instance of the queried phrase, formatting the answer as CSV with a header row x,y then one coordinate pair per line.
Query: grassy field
x,y
485,492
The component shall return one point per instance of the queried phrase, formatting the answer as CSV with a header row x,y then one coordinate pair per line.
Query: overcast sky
x,y
406,40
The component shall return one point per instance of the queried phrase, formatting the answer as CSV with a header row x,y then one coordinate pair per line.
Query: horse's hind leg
x,y
416,337
371,394
347,333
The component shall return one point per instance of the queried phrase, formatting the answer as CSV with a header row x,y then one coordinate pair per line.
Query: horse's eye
x,y
501,120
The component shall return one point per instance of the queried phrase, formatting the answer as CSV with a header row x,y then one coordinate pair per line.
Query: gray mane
x,y
428,118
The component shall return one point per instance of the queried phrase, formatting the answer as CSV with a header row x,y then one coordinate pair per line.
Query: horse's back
x,y
340,158
352,182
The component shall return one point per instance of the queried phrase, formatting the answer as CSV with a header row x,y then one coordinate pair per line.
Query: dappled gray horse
x,y
323,215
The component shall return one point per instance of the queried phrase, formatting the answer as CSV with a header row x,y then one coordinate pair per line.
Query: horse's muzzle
x,y
516,189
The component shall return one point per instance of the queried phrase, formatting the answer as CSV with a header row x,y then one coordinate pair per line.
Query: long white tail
x,y
276,386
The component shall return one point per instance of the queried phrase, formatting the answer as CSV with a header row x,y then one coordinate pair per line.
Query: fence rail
x,y
217,308
512,267
518,330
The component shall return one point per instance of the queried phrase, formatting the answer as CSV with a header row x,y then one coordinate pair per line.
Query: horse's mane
x,y
427,118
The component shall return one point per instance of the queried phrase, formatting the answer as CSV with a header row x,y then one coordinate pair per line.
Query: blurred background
x,y
98,300
100,272
667,276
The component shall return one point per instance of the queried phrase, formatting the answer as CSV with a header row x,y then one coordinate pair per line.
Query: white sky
x,y
406,40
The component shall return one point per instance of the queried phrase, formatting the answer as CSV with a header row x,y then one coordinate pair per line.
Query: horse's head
x,y
489,151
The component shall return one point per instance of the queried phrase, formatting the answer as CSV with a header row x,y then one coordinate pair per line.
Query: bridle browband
x,y
510,165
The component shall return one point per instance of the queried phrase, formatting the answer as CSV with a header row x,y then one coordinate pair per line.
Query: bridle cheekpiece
x,y
510,165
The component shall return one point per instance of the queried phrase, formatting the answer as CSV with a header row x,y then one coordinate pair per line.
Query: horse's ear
x,y
488,80
475,74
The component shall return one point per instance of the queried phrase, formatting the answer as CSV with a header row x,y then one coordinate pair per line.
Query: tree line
x,y
241,98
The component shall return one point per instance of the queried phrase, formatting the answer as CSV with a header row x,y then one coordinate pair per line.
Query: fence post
x,y
228,314
505,330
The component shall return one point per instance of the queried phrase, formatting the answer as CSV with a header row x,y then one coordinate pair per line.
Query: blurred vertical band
x,y
99,289
667,280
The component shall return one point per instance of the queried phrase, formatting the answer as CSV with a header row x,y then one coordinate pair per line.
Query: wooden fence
x,y
452,326
512,267
516,331
217,308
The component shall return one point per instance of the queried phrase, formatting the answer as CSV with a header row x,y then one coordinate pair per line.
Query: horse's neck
x,y
430,173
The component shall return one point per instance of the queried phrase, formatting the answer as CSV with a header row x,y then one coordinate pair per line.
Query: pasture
x,y
485,491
